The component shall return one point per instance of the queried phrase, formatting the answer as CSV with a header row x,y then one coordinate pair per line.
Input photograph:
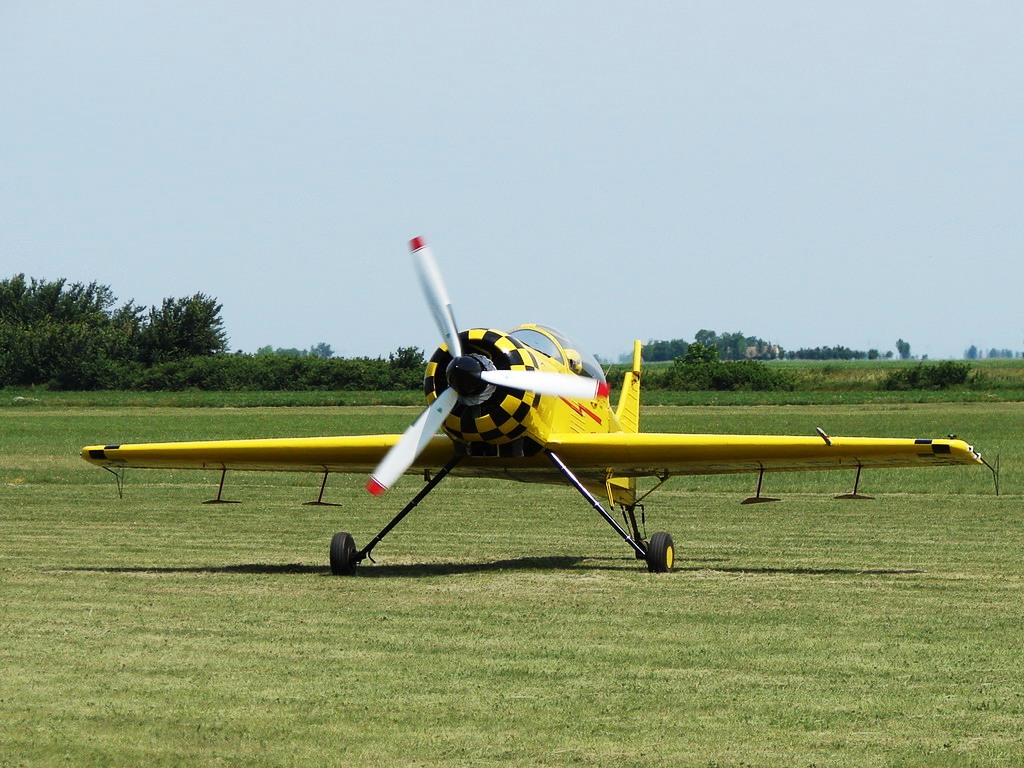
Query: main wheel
x,y
343,554
660,553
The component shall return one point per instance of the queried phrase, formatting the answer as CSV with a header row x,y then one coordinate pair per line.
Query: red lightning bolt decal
x,y
581,410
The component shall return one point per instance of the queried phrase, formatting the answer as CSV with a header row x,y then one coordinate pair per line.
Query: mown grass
x,y
505,624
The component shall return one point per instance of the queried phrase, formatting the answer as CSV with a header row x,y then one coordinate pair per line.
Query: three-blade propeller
x,y
467,377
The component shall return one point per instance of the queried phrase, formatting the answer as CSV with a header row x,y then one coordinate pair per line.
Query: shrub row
x,y
948,373
243,372
688,374
404,371
743,375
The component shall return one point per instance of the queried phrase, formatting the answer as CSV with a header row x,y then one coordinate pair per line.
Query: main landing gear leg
x,y
345,558
659,554
630,515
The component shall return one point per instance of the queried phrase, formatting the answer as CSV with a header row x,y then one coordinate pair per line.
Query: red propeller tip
x,y
603,389
374,487
416,243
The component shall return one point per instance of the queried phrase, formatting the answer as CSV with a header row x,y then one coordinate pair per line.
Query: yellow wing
x,y
598,458
635,455
593,457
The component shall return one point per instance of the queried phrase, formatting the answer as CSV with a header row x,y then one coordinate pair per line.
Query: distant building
x,y
763,352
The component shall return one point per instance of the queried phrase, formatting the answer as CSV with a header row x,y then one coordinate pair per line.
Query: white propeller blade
x,y
413,441
549,383
437,295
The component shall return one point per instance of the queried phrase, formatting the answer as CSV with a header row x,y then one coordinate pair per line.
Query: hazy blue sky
x,y
814,173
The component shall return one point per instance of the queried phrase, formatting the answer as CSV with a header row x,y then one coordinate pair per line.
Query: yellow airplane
x,y
529,405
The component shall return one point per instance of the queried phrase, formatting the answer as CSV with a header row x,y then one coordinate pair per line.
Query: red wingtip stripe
x,y
374,487
416,243
603,389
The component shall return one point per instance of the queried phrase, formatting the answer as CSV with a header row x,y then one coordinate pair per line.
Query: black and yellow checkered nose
x,y
484,413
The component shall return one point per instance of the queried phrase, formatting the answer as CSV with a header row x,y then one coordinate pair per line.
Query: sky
x,y
812,173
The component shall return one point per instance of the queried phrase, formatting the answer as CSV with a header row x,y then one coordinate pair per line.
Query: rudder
x,y
627,413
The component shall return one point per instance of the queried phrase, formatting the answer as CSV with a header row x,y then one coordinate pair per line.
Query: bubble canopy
x,y
558,346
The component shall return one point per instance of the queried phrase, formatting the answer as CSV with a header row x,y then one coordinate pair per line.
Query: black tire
x,y
660,553
343,554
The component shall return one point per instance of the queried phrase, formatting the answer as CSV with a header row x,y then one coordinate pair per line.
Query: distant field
x,y
505,624
994,374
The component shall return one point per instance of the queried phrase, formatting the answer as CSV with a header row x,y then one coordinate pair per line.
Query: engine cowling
x,y
484,413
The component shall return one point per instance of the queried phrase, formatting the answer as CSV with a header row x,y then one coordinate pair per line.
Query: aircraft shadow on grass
x,y
814,571
422,570
411,570
797,571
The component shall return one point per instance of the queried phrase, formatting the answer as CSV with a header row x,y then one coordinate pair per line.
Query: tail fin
x,y
628,411
622,490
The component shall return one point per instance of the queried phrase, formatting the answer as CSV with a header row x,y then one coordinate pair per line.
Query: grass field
x,y
505,624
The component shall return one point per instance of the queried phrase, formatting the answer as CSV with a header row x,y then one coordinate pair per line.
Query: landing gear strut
x,y
345,558
659,553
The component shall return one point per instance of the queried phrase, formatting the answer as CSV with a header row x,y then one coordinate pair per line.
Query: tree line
x,y
736,345
730,346
973,353
75,336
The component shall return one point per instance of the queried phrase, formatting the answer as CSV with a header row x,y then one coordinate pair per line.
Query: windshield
x,y
555,345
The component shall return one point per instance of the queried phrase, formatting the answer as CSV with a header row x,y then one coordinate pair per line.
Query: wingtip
x,y
375,487
417,243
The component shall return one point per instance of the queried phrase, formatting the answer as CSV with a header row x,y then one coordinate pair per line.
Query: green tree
x,y
903,348
706,337
700,353
321,350
183,328
660,351
26,302
62,334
